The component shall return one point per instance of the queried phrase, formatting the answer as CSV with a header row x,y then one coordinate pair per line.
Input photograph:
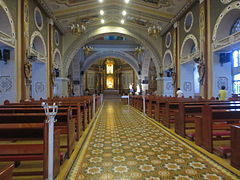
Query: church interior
x,y
119,89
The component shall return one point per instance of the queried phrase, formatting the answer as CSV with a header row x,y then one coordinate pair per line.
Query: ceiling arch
x,y
118,54
105,30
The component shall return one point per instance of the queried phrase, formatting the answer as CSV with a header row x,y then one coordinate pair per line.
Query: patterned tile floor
x,y
125,145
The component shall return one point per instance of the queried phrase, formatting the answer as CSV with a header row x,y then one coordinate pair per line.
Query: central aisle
x,y
126,145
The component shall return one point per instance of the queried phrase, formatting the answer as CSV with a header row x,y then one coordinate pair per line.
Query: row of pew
x,y
205,121
24,131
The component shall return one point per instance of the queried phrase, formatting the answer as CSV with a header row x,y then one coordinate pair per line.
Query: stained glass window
x,y
236,27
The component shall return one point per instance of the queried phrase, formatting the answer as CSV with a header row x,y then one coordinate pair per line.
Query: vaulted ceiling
x,y
140,13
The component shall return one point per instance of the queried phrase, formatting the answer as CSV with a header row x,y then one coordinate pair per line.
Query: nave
x,y
125,144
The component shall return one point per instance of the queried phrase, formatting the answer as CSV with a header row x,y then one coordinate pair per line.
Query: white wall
x,y
8,79
187,79
222,75
39,89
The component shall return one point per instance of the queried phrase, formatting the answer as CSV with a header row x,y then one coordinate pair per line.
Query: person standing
x,y
179,93
222,94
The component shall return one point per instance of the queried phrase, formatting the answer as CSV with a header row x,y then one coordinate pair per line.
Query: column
x,y
23,66
50,69
205,65
176,52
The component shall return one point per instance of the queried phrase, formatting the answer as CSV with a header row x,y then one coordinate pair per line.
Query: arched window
x,y
236,27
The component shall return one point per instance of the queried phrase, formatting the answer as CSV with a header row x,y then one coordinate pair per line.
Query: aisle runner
x,y
124,145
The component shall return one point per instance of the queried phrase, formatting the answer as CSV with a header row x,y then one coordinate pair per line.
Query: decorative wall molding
x,y
190,56
57,65
103,54
6,84
232,6
225,42
39,87
188,15
168,40
44,5
40,56
9,39
92,35
37,15
167,52
179,15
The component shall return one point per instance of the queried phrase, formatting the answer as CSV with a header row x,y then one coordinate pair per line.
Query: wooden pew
x,y
34,115
235,146
29,151
6,172
217,121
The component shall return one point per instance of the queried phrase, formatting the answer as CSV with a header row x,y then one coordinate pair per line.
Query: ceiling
x,y
140,13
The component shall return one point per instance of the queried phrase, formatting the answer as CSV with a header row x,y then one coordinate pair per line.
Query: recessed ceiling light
x,y
102,21
101,12
100,1
124,13
122,21
126,1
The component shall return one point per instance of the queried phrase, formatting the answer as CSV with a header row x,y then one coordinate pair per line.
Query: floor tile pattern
x,y
125,146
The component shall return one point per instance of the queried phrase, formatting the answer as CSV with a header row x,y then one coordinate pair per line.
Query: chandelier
x,y
154,31
87,50
139,50
77,29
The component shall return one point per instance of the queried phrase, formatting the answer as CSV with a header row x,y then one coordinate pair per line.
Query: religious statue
x,y
201,71
53,75
138,89
28,71
173,77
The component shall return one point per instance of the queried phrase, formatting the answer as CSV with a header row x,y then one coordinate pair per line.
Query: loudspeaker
x,y
6,54
224,58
